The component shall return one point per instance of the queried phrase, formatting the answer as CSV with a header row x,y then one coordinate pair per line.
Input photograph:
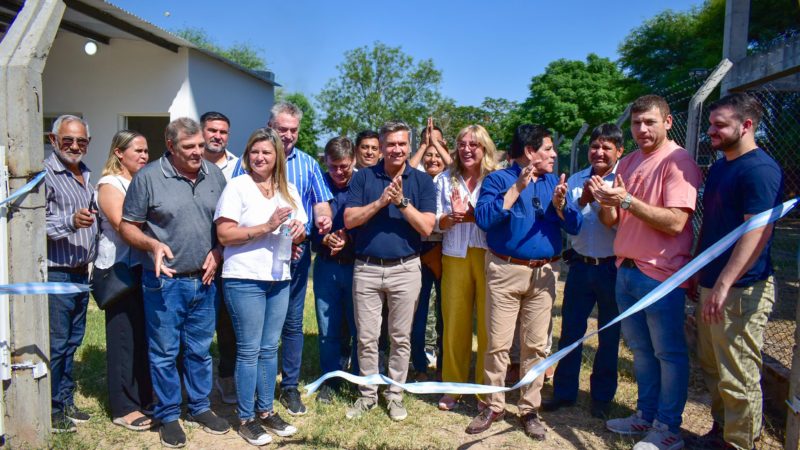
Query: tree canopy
x,y
492,114
243,54
376,84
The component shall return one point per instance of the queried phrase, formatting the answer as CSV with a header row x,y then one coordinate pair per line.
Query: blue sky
x,y
483,49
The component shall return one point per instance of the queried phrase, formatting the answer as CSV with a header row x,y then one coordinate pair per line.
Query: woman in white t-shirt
x,y
130,391
257,216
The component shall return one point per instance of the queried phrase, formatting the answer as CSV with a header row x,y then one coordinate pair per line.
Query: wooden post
x,y
734,40
23,52
573,152
792,417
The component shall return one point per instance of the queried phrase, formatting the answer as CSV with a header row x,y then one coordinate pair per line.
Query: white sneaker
x,y
633,424
660,438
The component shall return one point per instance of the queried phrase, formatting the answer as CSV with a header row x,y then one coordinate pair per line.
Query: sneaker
x,y
227,390
209,422
397,411
633,424
252,432
290,399
59,423
362,405
325,395
172,434
660,438
274,424
76,415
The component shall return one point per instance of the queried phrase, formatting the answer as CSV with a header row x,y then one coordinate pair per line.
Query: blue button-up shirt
x,y
531,229
594,239
304,173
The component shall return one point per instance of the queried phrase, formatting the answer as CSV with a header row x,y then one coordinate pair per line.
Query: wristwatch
x,y
404,202
626,202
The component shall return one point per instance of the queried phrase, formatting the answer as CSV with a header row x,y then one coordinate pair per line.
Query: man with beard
x,y
216,132
71,232
737,290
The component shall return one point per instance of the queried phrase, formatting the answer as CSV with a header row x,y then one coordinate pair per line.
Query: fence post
x,y
792,418
573,161
23,52
624,116
696,105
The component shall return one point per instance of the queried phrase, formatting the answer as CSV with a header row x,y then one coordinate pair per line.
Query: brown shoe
x,y
534,427
484,420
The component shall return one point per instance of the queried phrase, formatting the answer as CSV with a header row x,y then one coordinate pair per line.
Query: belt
x,y
195,274
593,261
386,262
629,263
80,270
343,260
533,263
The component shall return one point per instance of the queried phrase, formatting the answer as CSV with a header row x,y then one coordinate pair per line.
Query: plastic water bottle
x,y
285,244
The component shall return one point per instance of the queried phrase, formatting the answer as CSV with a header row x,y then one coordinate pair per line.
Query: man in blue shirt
x,y
591,279
390,204
737,291
522,209
304,172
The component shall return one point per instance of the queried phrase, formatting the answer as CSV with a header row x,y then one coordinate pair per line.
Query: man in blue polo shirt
x,y
304,172
522,209
392,205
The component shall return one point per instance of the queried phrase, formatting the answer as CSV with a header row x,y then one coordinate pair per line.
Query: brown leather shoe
x,y
534,427
483,421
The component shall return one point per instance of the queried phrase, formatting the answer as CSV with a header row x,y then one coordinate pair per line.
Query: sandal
x,y
142,423
447,403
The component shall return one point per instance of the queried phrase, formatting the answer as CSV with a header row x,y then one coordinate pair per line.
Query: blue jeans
x,y
420,324
333,294
257,309
180,313
587,285
67,326
292,334
656,338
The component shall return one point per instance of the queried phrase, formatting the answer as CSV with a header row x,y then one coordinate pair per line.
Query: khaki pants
x,y
399,287
729,353
513,290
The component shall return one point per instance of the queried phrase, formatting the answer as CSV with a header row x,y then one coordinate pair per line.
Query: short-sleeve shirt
x,y
242,202
387,234
175,211
668,178
749,184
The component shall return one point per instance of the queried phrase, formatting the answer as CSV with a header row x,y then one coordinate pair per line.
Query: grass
x,y
325,426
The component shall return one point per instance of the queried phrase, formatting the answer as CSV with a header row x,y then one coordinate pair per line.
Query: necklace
x,y
266,189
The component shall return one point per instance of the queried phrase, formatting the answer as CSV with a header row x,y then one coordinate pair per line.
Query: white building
x,y
140,78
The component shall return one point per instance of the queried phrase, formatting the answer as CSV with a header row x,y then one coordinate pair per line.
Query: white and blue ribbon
x,y
24,189
429,387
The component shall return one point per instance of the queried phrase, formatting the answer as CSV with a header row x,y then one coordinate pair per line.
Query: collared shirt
x,y
531,228
337,208
230,162
304,172
175,211
387,234
461,235
594,239
67,246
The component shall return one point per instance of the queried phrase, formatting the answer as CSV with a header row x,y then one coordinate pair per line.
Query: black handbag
x,y
112,284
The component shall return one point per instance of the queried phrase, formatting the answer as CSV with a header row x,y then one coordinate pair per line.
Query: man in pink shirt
x,y
652,201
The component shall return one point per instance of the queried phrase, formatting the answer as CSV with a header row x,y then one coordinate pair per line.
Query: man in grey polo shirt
x,y
168,212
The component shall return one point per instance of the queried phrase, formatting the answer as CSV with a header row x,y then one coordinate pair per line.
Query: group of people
x,y
225,244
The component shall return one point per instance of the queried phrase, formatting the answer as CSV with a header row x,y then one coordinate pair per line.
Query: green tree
x,y
309,127
243,54
376,84
492,114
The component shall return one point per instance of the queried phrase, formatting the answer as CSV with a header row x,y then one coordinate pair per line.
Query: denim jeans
x,y
257,309
656,338
179,315
420,324
587,285
67,326
292,334
333,297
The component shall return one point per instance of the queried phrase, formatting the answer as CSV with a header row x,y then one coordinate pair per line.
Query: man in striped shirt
x,y
71,232
304,172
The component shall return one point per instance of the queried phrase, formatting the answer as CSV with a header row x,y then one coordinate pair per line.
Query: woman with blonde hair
x,y
257,216
463,249
130,390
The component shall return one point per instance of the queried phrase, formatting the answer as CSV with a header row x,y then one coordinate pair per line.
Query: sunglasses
x,y
68,141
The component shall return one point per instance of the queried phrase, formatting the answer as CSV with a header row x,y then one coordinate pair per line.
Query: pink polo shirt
x,y
669,178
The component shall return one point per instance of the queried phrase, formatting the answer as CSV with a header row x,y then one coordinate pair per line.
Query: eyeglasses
x,y
464,145
68,141
537,205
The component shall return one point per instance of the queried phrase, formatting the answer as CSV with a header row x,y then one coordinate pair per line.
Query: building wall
x,y
219,87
